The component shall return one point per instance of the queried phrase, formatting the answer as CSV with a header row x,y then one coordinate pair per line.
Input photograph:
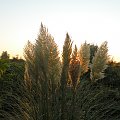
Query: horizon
x,y
91,21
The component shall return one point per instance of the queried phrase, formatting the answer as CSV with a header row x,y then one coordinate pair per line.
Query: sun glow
x,y
93,22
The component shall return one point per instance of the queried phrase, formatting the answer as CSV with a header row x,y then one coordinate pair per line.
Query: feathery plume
x,y
99,62
84,56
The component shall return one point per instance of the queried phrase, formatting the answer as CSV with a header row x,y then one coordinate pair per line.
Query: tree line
x,y
81,85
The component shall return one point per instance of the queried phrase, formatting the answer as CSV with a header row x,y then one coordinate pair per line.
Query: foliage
x,y
66,57
84,56
42,75
112,74
74,68
3,66
12,91
95,101
5,55
93,50
99,62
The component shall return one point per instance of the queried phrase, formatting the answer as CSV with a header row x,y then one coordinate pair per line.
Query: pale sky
x,y
95,21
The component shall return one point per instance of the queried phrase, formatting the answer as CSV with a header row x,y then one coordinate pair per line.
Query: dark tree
x,y
5,55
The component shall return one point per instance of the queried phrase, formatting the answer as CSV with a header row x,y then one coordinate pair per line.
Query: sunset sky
x,y
92,20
